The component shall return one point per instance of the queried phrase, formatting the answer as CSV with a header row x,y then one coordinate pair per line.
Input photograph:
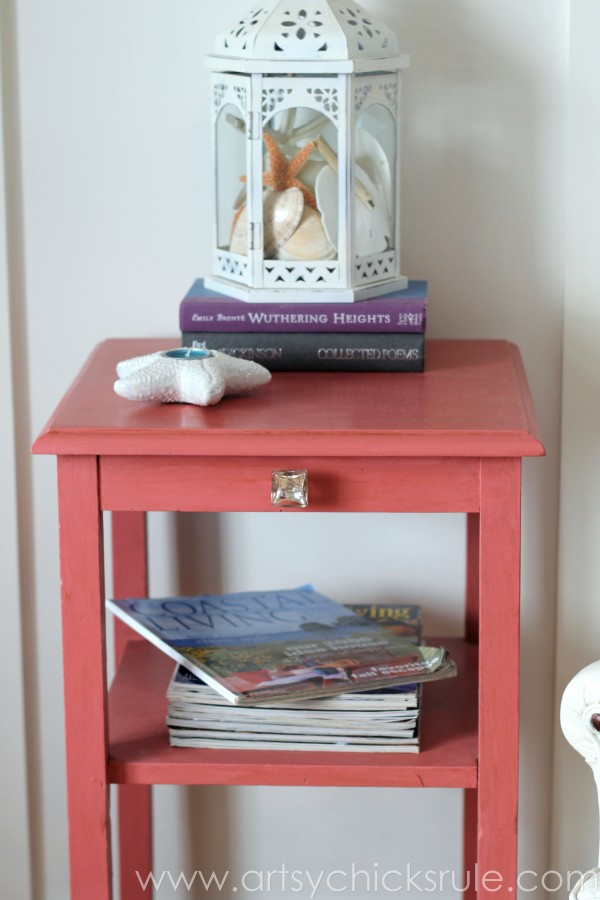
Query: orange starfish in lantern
x,y
282,171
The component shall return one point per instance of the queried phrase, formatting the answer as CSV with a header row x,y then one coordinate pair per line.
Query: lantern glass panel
x,y
230,159
301,224
375,172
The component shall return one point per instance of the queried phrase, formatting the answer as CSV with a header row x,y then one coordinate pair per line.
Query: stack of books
x,y
383,334
289,669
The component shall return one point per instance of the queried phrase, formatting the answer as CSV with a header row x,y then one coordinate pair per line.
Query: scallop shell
x,y
282,212
309,240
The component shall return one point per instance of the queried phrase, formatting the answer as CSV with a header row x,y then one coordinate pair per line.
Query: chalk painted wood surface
x,y
140,752
84,673
473,401
130,579
499,592
450,439
242,484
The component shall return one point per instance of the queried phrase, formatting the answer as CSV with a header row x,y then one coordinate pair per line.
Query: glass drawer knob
x,y
289,487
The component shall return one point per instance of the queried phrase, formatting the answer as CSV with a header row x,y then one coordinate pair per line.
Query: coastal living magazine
x,y
381,721
265,646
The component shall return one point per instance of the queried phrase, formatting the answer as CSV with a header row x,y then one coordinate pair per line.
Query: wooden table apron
x,y
487,489
448,440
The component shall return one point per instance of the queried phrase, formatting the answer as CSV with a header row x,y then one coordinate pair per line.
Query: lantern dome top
x,y
307,31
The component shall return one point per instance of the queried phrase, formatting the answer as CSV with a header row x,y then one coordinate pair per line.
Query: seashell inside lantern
x,y
372,159
238,242
372,224
309,241
282,213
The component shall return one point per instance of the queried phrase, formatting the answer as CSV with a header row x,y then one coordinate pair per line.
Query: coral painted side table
x,y
448,440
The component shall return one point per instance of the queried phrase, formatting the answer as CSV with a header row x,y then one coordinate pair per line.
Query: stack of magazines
x,y
290,669
368,721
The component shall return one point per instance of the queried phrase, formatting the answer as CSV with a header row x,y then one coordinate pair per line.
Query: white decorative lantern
x,y
306,128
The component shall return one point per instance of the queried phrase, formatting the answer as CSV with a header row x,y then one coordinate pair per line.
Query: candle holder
x,y
187,375
306,150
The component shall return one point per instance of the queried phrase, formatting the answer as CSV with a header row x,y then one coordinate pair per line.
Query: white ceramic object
x,y
587,887
580,722
187,375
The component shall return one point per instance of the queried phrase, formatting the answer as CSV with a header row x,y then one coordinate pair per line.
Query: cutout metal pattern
x,y
219,92
232,266
375,268
301,30
272,98
301,25
327,98
360,95
300,275
368,36
236,39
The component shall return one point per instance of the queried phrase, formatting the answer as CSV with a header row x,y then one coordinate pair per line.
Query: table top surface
x,y
472,400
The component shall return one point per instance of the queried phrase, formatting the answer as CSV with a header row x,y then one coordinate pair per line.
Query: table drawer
x,y
241,484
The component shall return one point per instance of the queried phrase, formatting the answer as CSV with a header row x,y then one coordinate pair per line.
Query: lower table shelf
x,y
140,753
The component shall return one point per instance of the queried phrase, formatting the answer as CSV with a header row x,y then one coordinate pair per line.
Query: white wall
x,y
575,845
109,189
14,832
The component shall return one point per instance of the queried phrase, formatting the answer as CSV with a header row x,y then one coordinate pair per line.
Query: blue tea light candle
x,y
187,353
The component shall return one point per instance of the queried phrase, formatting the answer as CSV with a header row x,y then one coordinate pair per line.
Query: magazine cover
x,y
405,620
264,646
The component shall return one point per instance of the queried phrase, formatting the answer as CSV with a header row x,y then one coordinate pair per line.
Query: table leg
x,y
84,653
499,561
472,592
130,579
471,634
130,568
470,800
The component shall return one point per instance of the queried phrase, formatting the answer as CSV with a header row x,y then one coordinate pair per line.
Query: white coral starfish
x,y
187,375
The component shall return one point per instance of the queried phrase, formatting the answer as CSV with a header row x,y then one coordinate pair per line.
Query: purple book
x,y
399,312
